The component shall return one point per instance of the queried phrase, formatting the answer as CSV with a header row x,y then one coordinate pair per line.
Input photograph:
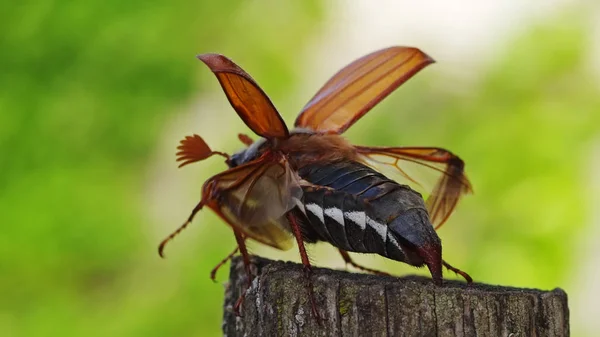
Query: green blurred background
x,y
94,97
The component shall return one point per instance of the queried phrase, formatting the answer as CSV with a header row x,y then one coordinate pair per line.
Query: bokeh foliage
x,y
86,90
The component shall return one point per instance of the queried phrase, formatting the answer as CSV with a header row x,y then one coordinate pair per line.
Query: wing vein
x,y
365,88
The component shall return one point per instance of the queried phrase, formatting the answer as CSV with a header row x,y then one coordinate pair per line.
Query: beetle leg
x,y
349,261
458,272
213,272
196,209
246,258
306,263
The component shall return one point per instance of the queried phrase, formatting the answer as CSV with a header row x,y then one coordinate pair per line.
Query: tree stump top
x,y
354,304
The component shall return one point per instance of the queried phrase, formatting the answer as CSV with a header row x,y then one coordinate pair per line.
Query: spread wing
x,y
255,197
435,172
358,87
246,97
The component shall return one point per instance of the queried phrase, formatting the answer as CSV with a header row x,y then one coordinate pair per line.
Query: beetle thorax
x,y
301,148
306,148
248,154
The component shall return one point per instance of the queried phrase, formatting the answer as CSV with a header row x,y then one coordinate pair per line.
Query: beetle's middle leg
x,y
213,272
241,241
305,262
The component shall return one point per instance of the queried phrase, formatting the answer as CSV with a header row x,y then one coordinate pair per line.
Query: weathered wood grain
x,y
367,305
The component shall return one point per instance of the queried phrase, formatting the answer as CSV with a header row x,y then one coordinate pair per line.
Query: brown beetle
x,y
310,182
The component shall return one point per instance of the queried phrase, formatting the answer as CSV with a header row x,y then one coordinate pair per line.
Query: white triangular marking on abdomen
x,y
317,211
380,228
299,203
336,214
394,242
357,217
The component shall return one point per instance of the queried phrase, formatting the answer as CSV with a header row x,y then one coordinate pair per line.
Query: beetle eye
x,y
234,160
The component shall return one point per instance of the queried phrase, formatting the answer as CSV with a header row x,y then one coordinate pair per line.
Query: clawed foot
x,y
313,303
458,272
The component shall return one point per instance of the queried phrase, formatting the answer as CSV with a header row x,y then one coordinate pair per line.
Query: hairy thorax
x,y
306,148
301,149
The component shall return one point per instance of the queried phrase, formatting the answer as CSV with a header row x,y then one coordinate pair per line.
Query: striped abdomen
x,y
358,209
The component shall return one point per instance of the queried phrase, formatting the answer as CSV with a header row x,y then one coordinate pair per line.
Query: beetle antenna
x,y
161,247
222,154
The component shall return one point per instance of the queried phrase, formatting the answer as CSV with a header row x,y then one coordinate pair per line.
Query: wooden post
x,y
354,304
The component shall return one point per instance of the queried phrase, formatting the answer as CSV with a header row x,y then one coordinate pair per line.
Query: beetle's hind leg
x,y
458,272
351,262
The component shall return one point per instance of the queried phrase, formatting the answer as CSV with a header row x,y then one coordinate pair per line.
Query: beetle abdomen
x,y
358,209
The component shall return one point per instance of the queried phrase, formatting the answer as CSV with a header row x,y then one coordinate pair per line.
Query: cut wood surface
x,y
354,304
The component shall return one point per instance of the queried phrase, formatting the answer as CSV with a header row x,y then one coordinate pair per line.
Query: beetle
x,y
310,184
